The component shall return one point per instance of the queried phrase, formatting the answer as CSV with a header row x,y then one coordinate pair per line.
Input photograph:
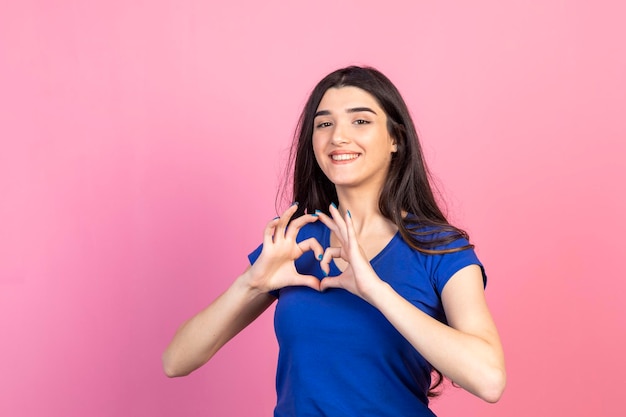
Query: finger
x,y
328,221
284,221
295,226
350,229
334,211
353,246
328,256
268,233
341,224
304,281
313,245
330,282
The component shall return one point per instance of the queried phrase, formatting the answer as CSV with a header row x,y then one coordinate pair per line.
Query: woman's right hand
x,y
275,267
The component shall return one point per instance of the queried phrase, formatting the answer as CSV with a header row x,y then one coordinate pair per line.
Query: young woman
x,y
375,289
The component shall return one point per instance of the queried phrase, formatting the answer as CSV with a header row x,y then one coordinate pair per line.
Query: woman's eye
x,y
324,124
361,122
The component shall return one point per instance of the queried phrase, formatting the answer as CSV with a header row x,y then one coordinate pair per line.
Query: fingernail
x,y
276,218
295,203
333,204
320,257
314,214
325,273
349,215
318,212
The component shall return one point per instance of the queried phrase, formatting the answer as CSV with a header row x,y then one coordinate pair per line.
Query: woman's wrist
x,y
376,292
248,284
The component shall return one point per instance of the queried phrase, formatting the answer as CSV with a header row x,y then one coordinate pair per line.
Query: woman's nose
x,y
339,135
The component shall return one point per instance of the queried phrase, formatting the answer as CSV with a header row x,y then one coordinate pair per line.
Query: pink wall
x,y
142,143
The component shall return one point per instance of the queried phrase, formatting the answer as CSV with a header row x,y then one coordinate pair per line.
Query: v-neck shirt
x,y
339,356
334,269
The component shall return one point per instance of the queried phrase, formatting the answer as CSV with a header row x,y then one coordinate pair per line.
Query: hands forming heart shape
x,y
275,267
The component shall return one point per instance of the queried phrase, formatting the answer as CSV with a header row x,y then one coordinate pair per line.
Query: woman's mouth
x,y
345,156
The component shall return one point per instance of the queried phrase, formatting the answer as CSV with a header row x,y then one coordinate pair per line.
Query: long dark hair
x,y
408,186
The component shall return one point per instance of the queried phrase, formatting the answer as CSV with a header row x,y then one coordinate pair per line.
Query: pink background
x,y
143,141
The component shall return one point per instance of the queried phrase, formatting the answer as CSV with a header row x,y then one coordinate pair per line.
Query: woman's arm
x,y
198,339
468,350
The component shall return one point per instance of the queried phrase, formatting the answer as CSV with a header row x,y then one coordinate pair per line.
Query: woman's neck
x,y
363,206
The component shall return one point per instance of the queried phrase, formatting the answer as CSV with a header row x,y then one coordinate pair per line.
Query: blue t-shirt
x,y
339,356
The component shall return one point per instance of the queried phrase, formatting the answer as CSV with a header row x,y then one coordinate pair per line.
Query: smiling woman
x,y
351,142
376,289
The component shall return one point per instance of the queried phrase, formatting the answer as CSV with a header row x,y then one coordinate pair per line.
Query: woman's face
x,y
350,138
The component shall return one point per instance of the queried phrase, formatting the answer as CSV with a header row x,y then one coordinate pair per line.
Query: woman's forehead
x,y
342,98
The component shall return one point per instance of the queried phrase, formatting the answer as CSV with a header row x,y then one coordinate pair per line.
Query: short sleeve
x,y
444,266
254,255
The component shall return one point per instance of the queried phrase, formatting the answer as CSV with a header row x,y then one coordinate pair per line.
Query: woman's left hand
x,y
359,277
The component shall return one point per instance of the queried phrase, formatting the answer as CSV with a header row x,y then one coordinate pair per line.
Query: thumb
x,y
305,281
330,282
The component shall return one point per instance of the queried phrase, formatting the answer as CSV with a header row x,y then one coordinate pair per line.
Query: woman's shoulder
x,y
435,232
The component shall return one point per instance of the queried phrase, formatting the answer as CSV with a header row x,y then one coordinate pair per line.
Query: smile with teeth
x,y
345,156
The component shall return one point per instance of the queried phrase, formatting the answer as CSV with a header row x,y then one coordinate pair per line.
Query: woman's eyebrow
x,y
360,109
351,110
322,113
